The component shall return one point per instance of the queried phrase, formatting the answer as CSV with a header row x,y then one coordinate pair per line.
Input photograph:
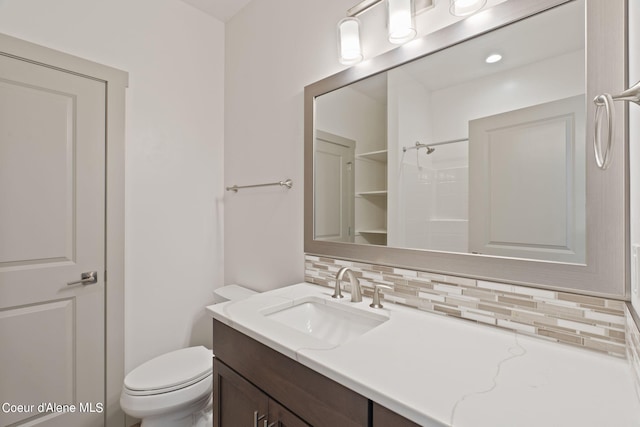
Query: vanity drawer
x,y
314,398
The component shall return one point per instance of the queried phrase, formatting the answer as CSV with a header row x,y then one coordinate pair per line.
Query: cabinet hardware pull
x,y
273,424
257,418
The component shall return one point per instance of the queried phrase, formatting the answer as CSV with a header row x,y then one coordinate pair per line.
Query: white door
x,y
334,188
527,182
52,228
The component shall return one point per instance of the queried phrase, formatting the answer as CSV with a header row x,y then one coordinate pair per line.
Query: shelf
x,y
372,193
380,231
377,156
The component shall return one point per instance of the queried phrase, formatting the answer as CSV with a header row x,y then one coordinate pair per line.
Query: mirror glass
x,y
477,148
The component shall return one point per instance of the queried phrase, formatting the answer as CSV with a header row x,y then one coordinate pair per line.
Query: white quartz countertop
x,y
440,371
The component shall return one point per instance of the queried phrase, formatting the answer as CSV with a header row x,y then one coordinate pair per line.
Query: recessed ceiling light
x,y
493,58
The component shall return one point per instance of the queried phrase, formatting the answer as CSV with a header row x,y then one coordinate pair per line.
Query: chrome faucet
x,y
356,291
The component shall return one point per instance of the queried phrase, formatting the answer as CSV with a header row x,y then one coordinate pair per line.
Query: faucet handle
x,y
376,296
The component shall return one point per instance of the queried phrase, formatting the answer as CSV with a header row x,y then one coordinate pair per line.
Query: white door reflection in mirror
x,y
334,193
527,187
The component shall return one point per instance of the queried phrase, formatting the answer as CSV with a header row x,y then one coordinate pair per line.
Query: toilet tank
x,y
231,293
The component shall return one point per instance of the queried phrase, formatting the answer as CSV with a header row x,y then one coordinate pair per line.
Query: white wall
x,y
274,48
174,135
493,94
351,114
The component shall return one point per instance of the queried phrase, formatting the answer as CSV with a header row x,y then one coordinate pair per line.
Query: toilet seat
x,y
168,405
169,372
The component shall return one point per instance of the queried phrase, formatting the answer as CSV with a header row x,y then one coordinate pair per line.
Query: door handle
x,y
87,278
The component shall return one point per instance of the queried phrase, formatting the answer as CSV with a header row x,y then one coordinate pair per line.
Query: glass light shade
x,y
465,7
349,41
400,22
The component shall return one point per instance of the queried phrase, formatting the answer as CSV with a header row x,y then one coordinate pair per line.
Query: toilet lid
x,y
171,371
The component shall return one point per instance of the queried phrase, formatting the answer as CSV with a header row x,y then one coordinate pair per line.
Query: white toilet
x,y
174,389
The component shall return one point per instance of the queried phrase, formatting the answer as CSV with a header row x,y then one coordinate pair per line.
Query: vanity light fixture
x,y
349,41
400,23
400,26
465,7
493,58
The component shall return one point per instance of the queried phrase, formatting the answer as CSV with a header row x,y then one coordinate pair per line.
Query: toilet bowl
x,y
171,390
175,389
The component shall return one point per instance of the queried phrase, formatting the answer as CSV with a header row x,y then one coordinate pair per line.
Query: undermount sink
x,y
334,323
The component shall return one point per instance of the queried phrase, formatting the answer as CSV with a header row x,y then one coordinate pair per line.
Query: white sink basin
x,y
334,323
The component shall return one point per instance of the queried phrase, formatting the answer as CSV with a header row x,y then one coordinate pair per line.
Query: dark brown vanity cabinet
x,y
383,417
249,376
240,403
254,385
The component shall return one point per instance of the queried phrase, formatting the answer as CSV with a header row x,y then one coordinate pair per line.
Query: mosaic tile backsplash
x,y
585,321
633,347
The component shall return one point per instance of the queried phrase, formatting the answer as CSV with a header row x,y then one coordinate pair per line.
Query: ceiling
x,y
223,10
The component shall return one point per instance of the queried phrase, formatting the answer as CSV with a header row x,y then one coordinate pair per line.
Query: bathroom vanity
x,y
248,389
250,379
402,367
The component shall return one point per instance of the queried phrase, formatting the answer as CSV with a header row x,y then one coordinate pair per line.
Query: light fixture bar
x,y
362,7
419,6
